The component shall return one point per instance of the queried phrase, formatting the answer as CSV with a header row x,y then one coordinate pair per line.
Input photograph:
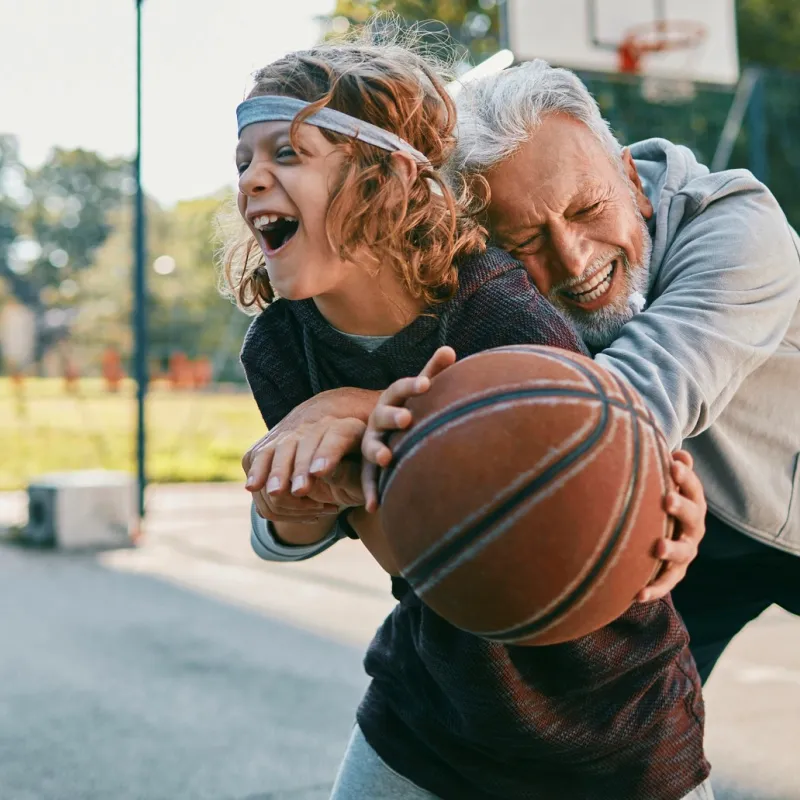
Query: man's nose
x,y
571,250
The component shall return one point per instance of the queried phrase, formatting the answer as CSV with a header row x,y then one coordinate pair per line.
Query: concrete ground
x,y
187,669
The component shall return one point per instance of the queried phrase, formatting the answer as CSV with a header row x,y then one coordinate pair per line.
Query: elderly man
x,y
685,283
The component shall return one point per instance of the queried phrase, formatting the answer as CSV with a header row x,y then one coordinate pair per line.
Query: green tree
x,y
186,312
13,197
472,25
52,221
768,33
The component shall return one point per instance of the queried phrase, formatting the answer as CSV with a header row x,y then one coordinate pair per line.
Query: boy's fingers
x,y
375,451
261,505
369,485
400,391
347,482
390,418
443,358
286,508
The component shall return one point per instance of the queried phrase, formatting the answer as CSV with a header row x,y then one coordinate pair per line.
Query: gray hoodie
x,y
716,351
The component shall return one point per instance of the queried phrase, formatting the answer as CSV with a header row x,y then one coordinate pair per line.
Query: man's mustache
x,y
597,264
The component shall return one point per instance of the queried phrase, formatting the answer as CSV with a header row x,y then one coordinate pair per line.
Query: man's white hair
x,y
498,113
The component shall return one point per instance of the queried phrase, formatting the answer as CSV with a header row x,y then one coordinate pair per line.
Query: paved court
x,y
187,669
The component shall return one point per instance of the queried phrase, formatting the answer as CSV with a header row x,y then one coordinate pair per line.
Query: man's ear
x,y
642,200
405,165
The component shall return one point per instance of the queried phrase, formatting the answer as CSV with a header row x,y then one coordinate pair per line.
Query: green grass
x,y
192,436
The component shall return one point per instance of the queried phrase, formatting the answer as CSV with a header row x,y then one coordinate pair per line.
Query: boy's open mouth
x,y
276,230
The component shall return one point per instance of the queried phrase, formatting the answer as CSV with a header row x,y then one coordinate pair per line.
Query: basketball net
x,y
641,46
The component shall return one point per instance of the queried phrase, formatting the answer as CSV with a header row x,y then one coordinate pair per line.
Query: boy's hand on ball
x,y
390,415
688,506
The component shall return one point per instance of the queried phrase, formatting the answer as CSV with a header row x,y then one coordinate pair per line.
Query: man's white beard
x,y
599,328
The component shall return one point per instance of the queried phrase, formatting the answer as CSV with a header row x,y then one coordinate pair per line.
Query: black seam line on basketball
x,y
530,628
439,557
453,414
386,473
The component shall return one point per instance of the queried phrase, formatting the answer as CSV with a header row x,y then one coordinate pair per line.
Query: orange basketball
x,y
525,502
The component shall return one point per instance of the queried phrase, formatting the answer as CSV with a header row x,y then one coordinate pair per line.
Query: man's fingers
x,y
258,467
681,551
303,456
280,474
688,484
677,555
686,510
338,441
443,358
684,457
666,581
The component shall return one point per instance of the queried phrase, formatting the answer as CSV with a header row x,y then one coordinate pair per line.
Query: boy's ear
x,y
405,165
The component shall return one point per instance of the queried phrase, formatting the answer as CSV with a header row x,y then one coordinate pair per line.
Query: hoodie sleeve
x,y
725,294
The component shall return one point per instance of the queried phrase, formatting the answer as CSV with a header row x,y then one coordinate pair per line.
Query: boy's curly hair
x,y
419,230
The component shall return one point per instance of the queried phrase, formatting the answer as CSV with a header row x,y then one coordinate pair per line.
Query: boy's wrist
x,y
292,534
343,520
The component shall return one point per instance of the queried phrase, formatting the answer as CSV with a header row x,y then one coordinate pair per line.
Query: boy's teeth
x,y
270,219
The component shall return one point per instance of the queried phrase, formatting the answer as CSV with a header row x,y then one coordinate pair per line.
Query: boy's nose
x,y
254,181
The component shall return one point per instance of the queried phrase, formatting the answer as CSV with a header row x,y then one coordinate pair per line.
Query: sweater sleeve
x,y
275,368
508,309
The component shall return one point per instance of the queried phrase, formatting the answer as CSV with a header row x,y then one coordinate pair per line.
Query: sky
x,y
69,79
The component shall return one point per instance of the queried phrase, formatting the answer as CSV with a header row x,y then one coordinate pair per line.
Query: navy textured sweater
x,y
616,715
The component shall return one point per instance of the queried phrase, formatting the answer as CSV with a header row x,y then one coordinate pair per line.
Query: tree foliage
x,y
471,25
66,253
52,221
768,32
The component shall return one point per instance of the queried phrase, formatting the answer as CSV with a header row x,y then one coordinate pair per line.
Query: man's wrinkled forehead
x,y
524,201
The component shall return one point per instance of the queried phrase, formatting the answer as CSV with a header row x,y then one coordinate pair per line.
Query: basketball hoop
x,y
662,36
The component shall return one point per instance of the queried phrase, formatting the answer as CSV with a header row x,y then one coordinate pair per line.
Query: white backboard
x,y
582,34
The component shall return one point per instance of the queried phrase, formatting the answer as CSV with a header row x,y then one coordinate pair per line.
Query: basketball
x,y
525,502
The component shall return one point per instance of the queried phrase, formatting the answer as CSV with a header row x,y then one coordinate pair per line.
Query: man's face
x,y
577,223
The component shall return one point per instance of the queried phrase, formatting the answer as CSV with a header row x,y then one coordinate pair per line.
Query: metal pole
x,y
733,124
757,131
503,33
139,280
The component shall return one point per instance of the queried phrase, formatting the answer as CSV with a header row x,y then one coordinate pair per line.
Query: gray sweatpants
x,y
362,775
